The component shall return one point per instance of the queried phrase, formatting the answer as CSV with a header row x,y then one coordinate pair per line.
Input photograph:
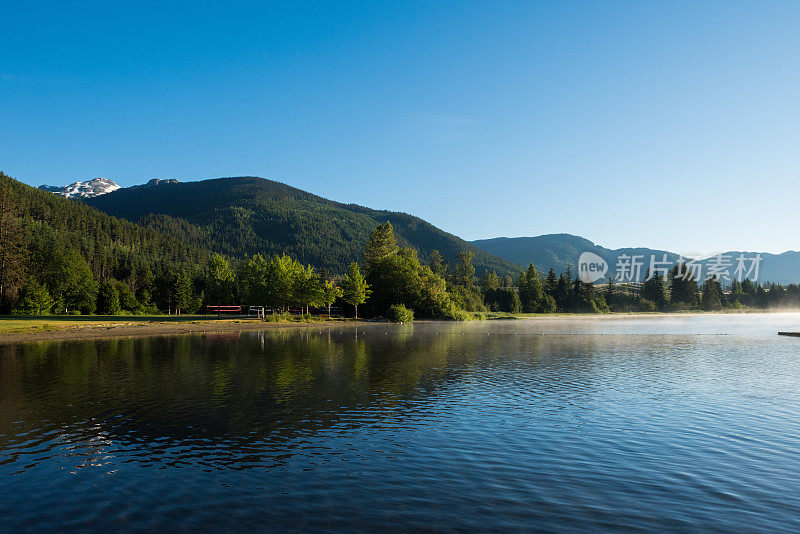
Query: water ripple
x,y
624,424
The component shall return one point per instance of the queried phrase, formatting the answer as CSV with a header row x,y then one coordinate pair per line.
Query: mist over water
x,y
680,422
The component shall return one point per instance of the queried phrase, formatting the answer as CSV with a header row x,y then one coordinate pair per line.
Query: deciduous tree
x,y
355,288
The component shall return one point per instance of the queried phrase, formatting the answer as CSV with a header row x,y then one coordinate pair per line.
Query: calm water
x,y
689,424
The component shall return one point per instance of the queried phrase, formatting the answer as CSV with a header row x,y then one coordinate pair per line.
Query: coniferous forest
x,y
61,256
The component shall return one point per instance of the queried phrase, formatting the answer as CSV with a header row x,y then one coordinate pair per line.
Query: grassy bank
x,y
55,327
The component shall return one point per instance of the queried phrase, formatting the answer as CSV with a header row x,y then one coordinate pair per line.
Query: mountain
x,y
557,251
105,241
87,189
158,181
248,215
98,186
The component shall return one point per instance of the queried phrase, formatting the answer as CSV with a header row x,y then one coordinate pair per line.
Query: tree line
x,y
61,256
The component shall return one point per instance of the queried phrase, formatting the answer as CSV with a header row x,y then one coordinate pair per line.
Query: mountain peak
x,y
158,181
98,186
88,189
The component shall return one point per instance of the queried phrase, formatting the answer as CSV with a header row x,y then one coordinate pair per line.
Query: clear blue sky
x,y
666,124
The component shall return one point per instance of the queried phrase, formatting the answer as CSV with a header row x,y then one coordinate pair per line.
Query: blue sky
x,y
665,124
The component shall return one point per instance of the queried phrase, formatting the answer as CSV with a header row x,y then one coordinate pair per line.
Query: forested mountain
x,y
70,248
58,255
559,251
238,216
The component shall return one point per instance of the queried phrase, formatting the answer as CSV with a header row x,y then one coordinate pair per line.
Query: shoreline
x,y
60,328
76,328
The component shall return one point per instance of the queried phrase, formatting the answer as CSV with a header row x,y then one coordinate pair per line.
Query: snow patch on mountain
x,y
97,187
87,189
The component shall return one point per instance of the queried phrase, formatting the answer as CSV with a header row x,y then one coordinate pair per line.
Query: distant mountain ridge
x,y
96,187
558,251
248,215
87,189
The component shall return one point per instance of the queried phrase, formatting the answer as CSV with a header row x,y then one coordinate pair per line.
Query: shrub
x,y
548,305
278,317
647,305
400,314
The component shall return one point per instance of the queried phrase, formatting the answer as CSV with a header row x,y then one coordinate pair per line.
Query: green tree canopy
x,y
683,286
531,291
13,251
655,289
355,288
34,299
712,298
108,299
219,280
331,292
381,245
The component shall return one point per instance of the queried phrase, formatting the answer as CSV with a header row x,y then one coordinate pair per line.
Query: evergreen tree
x,y
185,300
562,292
760,296
522,280
108,299
748,287
775,295
464,271
34,300
77,284
611,286
655,289
683,286
355,288
490,281
532,292
127,300
712,294
551,283
143,284
381,245
508,300
490,285
12,248
548,305
438,265
736,296
465,293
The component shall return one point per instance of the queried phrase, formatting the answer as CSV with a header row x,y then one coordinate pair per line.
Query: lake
x,y
682,423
